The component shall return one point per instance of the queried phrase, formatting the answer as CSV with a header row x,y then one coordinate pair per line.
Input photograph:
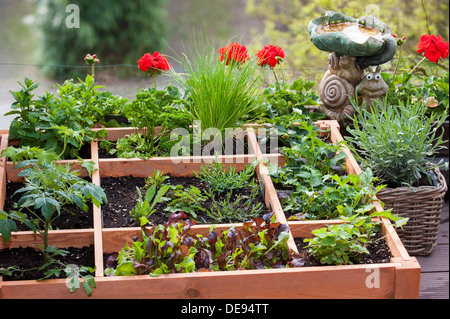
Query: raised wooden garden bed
x,y
400,278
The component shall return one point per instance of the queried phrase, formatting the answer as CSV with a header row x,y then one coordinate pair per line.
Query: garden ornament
x,y
372,87
354,45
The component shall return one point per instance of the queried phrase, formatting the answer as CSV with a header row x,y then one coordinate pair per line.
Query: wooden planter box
x,y
398,279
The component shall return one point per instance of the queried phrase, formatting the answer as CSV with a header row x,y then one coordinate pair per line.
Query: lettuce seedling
x,y
173,248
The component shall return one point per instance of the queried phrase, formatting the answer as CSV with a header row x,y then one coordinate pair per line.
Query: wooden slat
x,y
98,219
3,145
407,279
114,167
60,238
335,282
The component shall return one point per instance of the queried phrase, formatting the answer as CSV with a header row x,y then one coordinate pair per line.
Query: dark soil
x,y
75,220
28,258
122,196
379,253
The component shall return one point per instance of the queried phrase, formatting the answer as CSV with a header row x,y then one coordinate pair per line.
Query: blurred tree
x,y
286,22
117,31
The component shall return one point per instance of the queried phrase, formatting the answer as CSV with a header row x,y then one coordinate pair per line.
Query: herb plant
x,y
149,109
221,180
188,200
313,177
236,207
220,92
396,141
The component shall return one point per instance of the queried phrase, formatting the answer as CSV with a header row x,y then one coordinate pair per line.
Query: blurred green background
x,y
34,33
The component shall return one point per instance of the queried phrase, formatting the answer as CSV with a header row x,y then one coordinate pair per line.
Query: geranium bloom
x,y
234,52
271,55
91,59
434,48
153,64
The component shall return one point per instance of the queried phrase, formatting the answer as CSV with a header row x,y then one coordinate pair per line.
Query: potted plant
x,y
397,142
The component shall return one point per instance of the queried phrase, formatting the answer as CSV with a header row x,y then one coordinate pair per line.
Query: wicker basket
x,y
423,206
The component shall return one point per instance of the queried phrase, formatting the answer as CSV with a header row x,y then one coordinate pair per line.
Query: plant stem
x,y
398,62
276,79
45,237
420,62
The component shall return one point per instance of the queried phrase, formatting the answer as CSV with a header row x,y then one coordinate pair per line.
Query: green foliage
x,y
149,109
145,206
59,124
48,190
173,248
157,178
218,95
341,243
117,31
405,88
396,141
280,99
220,180
313,180
234,208
189,201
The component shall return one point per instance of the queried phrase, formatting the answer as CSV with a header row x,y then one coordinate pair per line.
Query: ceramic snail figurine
x,y
338,86
372,87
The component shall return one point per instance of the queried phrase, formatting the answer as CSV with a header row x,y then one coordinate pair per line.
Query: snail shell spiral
x,y
334,92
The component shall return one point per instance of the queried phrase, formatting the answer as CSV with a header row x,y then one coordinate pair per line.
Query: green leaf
x,y
6,227
125,268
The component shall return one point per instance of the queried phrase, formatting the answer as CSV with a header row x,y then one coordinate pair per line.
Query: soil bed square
x,y
379,253
122,196
75,220
27,258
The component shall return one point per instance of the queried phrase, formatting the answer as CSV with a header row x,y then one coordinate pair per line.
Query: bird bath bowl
x,y
336,32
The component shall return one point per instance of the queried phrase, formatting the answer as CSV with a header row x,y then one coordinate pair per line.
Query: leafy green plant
x,y
433,91
59,124
316,186
173,248
48,189
157,178
188,200
340,243
334,196
219,94
145,206
283,99
396,141
149,109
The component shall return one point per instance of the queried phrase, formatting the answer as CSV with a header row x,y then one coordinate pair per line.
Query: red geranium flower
x,y
153,64
434,48
234,52
271,55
